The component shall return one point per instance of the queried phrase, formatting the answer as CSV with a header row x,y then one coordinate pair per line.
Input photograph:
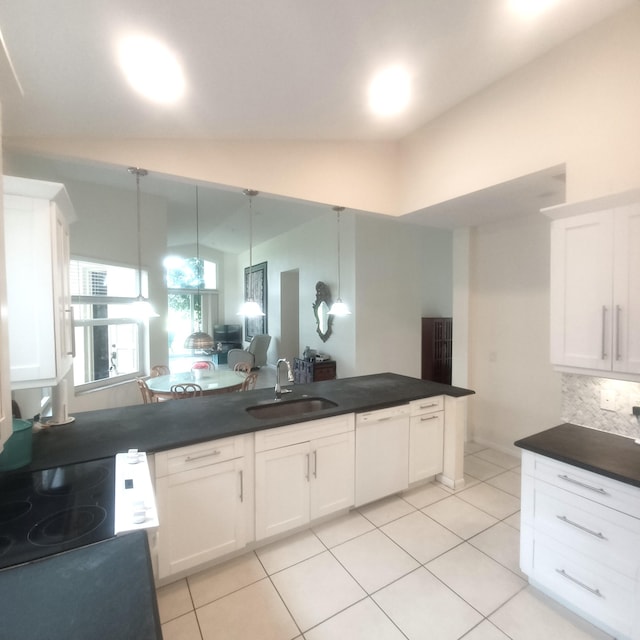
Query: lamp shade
x,y
339,309
199,340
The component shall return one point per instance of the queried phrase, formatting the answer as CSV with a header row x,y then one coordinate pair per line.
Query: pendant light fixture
x,y
339,308
250,308
198,339
141,307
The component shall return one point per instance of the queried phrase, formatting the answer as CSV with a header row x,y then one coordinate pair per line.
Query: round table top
x,y
218,381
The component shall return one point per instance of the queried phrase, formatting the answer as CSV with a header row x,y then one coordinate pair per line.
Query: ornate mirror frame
x,y
324,321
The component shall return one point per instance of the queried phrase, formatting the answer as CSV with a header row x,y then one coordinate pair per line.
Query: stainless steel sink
x,y
288,408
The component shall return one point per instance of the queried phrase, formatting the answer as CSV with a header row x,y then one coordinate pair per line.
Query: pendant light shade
x,y
250,308
141,308
339,308
198,339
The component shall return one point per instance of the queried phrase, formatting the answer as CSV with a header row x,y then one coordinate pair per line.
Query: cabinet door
x,y
626,346
426,445
282,489
581,295
201,515
332,474
6,422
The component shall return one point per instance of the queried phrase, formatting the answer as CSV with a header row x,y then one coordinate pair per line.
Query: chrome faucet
x,y
279,389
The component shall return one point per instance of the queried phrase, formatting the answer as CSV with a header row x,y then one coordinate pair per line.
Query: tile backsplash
x,y
582,397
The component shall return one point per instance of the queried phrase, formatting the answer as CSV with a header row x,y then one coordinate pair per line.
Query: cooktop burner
x,y
44,512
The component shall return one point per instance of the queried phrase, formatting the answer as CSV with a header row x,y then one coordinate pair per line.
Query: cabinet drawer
x,y
593,486
198,455
597,592
303,432
603,534
426,405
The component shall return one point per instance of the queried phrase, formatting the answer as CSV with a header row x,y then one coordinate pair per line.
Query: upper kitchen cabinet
x,y
595,286
36,221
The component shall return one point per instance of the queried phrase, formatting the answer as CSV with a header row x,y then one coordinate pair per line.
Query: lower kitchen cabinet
x,y
426,438
580,542
203,494
303,472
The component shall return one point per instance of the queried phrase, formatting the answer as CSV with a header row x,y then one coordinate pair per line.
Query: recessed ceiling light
x,y
390,91
151,69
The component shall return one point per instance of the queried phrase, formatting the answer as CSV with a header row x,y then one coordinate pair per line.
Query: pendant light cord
x,y
138,172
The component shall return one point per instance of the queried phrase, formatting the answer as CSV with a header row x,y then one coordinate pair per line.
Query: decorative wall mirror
x,y
321,307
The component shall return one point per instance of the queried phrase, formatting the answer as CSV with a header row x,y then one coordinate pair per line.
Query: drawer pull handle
x,y
216,452
424,419
597,534
428,406
241,485
564,574
583,484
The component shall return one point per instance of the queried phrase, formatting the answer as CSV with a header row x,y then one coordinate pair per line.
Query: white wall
x,y
517,392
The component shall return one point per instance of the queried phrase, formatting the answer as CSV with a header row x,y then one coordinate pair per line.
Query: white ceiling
x,y
284,69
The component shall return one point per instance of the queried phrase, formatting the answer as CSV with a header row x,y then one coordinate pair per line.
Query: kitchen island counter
x,y
166,425
608,454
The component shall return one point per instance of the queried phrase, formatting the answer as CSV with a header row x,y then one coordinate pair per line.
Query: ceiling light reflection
x,y
390,91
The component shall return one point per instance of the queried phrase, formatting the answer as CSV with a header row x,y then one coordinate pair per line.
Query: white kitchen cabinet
x,y
36,217
6,422
426,438
382,453
595,279
580,542
303,472
205,502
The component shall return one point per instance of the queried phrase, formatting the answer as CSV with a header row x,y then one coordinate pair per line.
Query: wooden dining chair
x,y
147,395
249,382
186,390
242,366
160,370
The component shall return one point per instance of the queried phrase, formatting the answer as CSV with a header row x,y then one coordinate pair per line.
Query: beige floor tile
x,y
495,502
253,612
530,616
502,543
459,516
343,528
374,560
289,551
386,510
316,589
485,631
507,481
219,581
473,447
513,521
425,609
481,469
481,581
362,621
421,536
425,495
502,459
183,628
174,600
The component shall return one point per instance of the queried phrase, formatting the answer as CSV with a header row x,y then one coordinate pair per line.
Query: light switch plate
x,y
608,399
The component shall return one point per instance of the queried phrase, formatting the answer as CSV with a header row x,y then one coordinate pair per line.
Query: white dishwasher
x,y
382,453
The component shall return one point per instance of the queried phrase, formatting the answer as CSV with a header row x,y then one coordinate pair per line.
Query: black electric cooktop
x,y
45,512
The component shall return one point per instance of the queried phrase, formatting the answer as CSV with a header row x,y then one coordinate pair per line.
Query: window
x,y
190,273
108,340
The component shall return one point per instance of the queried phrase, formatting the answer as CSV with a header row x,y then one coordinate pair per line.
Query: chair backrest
x,y
160,370
249,382
147,395
242,366
203,364
258,348
186,390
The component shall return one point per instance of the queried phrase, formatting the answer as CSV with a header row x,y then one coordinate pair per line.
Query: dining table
x,y
212,382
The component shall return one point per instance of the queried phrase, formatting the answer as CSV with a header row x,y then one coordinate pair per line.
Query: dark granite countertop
x,y
102,590
605,453
176,423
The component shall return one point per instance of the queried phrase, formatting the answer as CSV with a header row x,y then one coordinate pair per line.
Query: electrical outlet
x,y
608,399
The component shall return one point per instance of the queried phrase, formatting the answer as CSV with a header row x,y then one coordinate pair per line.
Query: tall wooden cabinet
x,y
36,221
595,280
437,336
